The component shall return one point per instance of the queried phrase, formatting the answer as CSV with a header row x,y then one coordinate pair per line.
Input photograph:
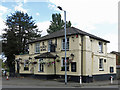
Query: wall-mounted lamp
x,y
57,56
20,58
72,55
30,58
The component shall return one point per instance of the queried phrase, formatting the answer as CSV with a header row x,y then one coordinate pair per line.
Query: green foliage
x,y
21,29
3,65
57,23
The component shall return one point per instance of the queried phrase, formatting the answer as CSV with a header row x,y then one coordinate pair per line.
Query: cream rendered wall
x,y
111,61
96,56
91,57
47,69
74,48
96,65
26,57
87,56
95,47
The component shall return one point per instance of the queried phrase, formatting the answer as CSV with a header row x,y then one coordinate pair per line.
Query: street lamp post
x,y
65,43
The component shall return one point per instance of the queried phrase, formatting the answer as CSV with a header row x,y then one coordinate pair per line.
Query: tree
x,y
21,29
57,23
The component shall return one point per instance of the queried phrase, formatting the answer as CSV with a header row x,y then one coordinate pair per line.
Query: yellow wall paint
x,y
90,49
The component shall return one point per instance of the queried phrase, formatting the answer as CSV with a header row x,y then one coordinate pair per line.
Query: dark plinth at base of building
x,y
85,79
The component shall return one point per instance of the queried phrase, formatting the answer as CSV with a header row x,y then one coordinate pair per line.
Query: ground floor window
x,y
26,65
40,66
73,67
63,64
101,65
111,69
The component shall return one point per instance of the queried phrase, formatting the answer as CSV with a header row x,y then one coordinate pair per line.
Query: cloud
x,y
20,8
3,10
86,14
37,14
2,25
43,26
113,45
25,1
52,6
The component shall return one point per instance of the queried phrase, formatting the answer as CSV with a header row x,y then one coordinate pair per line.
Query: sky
x,y
98,17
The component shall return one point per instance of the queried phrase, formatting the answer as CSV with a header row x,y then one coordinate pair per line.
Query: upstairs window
x,y
67,44
101,65
100,47
51,46
37,48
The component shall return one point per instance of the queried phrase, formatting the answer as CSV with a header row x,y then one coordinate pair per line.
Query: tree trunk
x,y
12,71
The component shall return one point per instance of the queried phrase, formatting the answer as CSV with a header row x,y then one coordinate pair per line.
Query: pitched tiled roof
x,y
69,31
45,55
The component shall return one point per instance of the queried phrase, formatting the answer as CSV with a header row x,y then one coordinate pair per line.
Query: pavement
x,y
29,82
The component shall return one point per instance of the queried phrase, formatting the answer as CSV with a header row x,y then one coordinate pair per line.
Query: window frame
x,y
26,65
40,66
100,47
37,47
112,71
63,44
75,68
49,45
63,64
101,64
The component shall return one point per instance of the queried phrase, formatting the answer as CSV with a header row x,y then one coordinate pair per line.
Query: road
x,y
37,83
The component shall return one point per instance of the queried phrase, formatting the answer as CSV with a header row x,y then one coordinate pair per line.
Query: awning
x,y
45,55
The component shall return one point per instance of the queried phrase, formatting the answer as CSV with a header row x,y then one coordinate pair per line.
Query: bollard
x,y
111,79
7,78
80,80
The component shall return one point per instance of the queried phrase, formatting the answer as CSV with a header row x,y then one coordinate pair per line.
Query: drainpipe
x,y
81,56
54,67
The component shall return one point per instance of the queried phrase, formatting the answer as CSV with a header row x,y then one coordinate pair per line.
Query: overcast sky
x,y
98,17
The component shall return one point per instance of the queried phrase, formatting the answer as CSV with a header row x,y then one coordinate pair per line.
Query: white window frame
x,y
37,47
112,69
100,47
26,64
49,44
101,64
40,66
67,44
62,61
